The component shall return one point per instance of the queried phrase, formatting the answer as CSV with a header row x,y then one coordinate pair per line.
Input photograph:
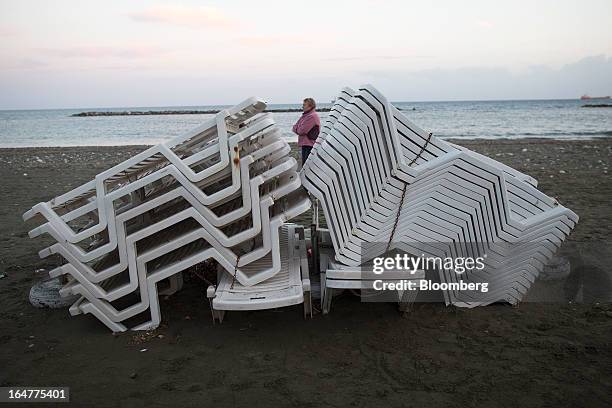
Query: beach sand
x,y
537,354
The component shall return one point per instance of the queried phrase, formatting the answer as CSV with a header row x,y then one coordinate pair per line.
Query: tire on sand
x,y
46,294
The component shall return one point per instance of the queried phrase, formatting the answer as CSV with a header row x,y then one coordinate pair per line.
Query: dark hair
x,y
311,102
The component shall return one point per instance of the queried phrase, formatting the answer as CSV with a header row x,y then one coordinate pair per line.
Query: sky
x,y
73,54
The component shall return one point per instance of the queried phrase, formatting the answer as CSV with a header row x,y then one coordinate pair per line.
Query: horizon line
x,y
280,103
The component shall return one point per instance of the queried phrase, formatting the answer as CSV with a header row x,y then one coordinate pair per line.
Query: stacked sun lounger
x,y
222,192
386,185
290,286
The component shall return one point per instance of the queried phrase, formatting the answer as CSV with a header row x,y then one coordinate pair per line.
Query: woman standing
x,y
307,127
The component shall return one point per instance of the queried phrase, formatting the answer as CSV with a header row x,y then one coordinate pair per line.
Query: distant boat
x,y
590,98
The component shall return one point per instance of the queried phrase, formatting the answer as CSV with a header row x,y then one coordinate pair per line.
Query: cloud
x,y
129,52
7,32
32,63
264,40
485,24
590,75
23,64
376,57
194,17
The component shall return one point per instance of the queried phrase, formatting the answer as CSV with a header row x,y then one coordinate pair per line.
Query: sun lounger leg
x,y
307,299
326,296
406,300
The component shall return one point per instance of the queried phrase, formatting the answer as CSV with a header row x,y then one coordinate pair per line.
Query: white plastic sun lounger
x,y
221,192
370,159
290,286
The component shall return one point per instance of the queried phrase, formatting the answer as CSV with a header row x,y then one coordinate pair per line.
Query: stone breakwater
x,y
172,112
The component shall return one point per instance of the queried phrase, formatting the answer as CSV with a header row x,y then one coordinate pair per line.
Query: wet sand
x,y
539,354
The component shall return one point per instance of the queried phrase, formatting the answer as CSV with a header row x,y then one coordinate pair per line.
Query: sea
x,y
554,119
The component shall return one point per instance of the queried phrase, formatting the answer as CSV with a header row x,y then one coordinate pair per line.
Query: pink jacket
x,y
304,125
